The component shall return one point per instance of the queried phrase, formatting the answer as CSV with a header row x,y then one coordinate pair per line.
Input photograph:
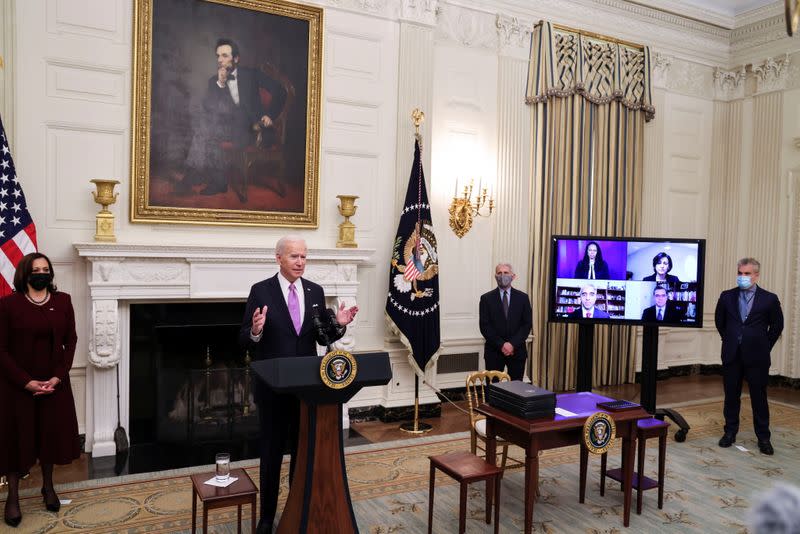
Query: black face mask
x,y
39,281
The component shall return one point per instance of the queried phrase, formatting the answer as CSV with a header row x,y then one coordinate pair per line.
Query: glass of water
x,y
223,466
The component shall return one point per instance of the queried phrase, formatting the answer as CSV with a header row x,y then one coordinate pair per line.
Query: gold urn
x,y
347,230
105,196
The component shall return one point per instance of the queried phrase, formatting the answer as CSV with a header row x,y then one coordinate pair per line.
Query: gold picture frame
x,y
226,112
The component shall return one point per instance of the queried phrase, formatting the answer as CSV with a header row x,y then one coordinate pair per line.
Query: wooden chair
x,y
476,395
261,150
466,468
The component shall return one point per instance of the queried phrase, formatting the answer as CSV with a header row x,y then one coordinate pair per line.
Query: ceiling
x,y
728,8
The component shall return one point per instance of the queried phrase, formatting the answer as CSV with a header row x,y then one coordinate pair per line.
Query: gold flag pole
x,y
416,427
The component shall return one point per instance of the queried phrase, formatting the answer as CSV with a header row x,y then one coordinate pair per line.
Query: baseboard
x,y
395,414
715,370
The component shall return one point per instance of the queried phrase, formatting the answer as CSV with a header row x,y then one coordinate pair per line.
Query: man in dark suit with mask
x,y
506,319
750,321
278,322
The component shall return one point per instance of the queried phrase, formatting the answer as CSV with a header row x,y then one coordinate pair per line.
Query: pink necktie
x,y
588,315
294,308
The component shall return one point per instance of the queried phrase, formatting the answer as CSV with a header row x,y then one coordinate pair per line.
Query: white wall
x,y
70,102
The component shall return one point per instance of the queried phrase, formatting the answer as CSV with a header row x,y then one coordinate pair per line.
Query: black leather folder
x,y
522,399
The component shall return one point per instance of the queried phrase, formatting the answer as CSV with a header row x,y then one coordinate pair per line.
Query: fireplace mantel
x,y
119,273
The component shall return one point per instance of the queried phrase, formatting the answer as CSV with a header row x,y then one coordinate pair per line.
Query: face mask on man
x,y
743,282
503,280
39,281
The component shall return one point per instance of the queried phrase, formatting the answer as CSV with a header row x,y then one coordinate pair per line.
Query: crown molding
x,y
504,26
760,13
671,34
685,10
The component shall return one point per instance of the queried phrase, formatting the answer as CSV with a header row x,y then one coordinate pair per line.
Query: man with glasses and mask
x,y
750,321
506,319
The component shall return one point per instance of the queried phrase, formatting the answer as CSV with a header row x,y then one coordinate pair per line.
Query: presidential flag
x,y
17,231
412,306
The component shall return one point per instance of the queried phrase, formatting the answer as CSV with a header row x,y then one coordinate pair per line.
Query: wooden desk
x,y
243,491
535,435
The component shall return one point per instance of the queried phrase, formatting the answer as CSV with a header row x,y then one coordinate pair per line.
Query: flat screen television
x,y
642,280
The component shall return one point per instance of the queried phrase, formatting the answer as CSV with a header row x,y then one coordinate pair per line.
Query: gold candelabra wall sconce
x,y
464,208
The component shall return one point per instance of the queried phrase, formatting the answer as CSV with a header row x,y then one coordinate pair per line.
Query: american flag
x,y
412,271
17,231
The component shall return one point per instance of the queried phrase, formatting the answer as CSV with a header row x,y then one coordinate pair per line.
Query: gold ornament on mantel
x,y
105,196
347,230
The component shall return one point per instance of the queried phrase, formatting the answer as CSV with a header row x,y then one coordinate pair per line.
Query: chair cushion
x,y
480,427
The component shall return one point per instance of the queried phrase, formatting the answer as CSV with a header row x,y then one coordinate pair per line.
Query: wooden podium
x,y
319,497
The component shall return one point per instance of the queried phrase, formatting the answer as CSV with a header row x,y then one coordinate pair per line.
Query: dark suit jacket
x,y
279,339
671,279
596,314
672,314
600,270
234,122
496,329
758,333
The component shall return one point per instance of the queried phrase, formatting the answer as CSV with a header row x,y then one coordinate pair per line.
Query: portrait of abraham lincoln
x,y
227,100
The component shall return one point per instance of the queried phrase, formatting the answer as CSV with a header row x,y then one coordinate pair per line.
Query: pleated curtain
x,y
589,100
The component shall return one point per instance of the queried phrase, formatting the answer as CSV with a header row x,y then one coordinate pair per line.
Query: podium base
x,y
416,427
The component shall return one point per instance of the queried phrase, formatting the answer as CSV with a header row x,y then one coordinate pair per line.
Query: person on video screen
x,y
587,309
662,265
663,310
592,266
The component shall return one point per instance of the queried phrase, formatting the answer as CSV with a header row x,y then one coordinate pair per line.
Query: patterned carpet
x,y
708,489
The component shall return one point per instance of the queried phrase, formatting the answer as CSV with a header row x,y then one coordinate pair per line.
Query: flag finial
x,y
418,116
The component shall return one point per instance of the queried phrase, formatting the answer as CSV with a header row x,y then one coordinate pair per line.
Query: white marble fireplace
x,y
119,274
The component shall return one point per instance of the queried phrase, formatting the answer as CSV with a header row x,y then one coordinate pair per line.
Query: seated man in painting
x,y
235,113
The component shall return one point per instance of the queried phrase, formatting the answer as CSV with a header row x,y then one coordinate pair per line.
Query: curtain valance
x,y
565,62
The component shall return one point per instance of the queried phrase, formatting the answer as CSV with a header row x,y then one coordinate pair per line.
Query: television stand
x,y
647,397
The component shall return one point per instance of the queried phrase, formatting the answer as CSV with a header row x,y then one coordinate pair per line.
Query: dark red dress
x,y
36,343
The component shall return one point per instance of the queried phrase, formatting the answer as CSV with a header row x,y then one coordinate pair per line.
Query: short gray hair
x,y
777,511
280,246
750,261
504,264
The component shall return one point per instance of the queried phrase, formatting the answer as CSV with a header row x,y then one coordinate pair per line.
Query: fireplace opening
x,y
191,392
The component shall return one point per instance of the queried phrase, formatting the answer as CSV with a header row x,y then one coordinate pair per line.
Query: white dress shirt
x,y
233,86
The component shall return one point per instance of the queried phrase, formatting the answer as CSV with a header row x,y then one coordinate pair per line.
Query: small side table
x,y
645,429
243,491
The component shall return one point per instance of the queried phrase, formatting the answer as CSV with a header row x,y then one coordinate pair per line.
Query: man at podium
x,y
285,316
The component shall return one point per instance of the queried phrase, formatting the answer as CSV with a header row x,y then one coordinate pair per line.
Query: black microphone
x,y
332,318
322,330
317,319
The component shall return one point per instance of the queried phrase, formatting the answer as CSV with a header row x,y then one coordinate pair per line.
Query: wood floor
x,y
454,418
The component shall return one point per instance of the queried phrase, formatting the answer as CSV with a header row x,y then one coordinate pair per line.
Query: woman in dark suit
x,y
662,265
37,410
592,266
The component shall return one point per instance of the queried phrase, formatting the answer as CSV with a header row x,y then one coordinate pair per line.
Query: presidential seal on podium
x,y
338,369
